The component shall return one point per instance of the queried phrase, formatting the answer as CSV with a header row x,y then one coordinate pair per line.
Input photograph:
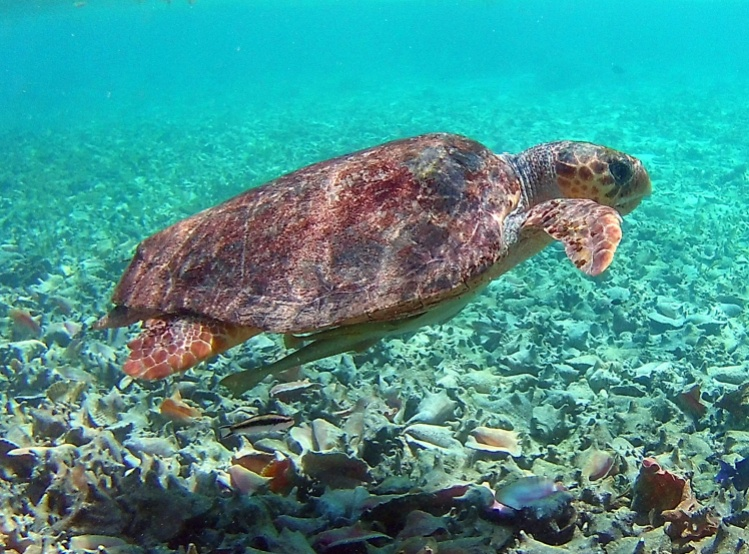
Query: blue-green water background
x,y
126,59
119,118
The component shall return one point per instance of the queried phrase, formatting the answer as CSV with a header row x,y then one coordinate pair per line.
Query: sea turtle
x,y
344,252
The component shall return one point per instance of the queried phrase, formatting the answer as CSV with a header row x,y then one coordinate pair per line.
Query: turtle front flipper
x,y
589,231
171,344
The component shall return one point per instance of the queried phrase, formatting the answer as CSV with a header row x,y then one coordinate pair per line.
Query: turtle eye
x,y
621,170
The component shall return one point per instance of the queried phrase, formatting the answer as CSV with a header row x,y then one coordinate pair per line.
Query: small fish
x,y
525,492
257,425
295,386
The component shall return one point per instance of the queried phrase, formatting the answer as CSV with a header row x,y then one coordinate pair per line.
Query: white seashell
x,y
271,445
597,464
648,370
66,391
585,362
42,451
618,294
326,435
731,310
263,343
732,374
626,449
222,478
36,451
105,442
434,408
27,350
72,328
449,382
154,446
101,353
675,322
355,426
94,542
704,320
668,308
302,436
98,413
483,381
246,481
293,389
488,439
602,379
130,460
431,437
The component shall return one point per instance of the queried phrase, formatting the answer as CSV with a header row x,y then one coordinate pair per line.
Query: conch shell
x,y
497,441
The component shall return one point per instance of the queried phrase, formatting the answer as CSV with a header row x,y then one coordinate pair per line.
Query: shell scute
x,y
377,234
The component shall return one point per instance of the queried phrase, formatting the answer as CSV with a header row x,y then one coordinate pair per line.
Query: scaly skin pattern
x,y
570,169
589,231
169,345
378,235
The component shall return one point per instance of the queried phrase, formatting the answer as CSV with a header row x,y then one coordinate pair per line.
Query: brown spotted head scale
x,y
571,169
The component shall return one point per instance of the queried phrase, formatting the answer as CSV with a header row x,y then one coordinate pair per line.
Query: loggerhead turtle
x,y
344,252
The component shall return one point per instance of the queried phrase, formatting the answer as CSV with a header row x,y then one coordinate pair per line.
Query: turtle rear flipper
x,y
172,344
589,231
356,337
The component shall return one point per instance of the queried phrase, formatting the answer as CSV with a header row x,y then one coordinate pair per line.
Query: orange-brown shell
x,y
379,234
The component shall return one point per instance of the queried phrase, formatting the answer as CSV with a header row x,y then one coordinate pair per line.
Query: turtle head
x,y
607,176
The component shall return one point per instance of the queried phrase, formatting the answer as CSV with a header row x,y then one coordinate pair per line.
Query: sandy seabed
x,y
589,381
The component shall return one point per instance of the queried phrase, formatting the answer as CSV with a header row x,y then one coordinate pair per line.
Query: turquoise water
x,y
124,59
120,118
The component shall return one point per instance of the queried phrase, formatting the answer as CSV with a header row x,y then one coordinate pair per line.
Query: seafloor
x,y
595,377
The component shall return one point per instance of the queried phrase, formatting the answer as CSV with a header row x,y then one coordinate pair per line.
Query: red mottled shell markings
x,y
375,235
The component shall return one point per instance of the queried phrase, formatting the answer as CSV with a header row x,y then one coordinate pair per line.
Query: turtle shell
x,y
378,235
